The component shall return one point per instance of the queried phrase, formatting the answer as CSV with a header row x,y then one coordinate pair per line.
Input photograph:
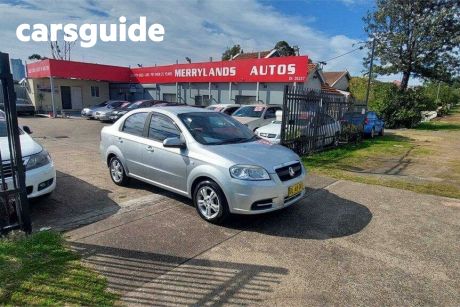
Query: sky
x,y
199,29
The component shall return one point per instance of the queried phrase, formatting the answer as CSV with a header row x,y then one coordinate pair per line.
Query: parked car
x,y
224,108
145,103
255,116
142,104
90,113
206,156
106,114
23,106
352,124
373,125
39,167
328,132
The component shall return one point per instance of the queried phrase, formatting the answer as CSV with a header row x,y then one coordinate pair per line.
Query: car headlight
x,y
37,160
249,172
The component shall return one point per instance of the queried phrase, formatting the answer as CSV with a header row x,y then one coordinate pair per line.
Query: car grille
x,y
7,170
268,135
284,174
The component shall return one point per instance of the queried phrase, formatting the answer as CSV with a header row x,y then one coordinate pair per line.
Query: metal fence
x,y
311,119
14,209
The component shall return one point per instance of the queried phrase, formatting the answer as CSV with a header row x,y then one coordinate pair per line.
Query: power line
x,y
336,57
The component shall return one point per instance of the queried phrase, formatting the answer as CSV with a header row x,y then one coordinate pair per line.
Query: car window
x,y
250,111
162,127
271,112
134,124
135,105
115,104
230,110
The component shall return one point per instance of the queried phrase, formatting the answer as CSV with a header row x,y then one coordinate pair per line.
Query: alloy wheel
x,y
116,170
208,202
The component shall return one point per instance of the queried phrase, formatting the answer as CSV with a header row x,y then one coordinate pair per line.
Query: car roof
x,y
225,105
261,105
176,109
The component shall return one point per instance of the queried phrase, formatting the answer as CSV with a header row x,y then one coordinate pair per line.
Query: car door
x,y
131,142
164,165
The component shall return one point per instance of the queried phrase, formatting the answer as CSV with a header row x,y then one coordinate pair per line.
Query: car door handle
x,y
149,148
120,140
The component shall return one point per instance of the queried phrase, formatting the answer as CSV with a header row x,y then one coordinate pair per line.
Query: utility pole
x,y
370,72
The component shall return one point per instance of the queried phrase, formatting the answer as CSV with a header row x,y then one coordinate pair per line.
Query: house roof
x,y
254,55
333,76
325,88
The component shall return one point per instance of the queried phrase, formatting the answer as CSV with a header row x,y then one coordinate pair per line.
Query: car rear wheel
x,y
210,202
382,132
117,172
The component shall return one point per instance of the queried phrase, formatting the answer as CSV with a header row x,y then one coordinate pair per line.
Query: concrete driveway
x,y
345,244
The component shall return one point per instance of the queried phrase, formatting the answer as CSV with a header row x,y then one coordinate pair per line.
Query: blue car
x,y
373,125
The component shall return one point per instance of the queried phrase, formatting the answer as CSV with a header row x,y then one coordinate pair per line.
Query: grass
x,y
438,125
41,270
351,162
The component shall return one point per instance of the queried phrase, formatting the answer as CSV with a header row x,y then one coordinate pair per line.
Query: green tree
x,y
284,49
229,53
36,56
416,38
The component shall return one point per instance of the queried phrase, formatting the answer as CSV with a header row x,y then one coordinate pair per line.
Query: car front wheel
x,y
210,202
117,172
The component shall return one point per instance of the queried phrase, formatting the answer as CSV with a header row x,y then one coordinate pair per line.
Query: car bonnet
x,y
260,153
28,146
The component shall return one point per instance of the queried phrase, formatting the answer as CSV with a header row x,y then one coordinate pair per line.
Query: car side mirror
x,y
27,129
174,142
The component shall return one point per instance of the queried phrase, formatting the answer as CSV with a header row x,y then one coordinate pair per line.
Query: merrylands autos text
x,y
89,34
256,70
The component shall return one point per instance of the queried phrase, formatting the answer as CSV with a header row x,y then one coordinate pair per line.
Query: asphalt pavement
x,y
345,244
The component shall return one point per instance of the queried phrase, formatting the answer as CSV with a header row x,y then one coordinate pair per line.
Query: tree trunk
x,y
405,80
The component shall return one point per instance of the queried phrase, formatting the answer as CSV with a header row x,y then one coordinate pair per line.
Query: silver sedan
x,y
206,156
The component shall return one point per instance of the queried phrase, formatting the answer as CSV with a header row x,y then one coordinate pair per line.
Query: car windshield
x,y
136,104
249,111
125,105
102,104
216,128
114,104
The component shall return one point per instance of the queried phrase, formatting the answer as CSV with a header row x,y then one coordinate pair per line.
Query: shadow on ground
x,y
147,278
73,203
322,215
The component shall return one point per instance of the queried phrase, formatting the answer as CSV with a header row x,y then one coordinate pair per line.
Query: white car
x,y
40,171
224,108
328,132
257,115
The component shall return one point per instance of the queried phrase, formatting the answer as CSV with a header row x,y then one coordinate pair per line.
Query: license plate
x,y
295,189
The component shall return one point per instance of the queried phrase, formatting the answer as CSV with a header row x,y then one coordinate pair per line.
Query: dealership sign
x,y
281,69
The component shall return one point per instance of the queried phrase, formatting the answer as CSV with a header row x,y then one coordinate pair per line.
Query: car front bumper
x,y
102,116
255,197
88,114
115,117
39,181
